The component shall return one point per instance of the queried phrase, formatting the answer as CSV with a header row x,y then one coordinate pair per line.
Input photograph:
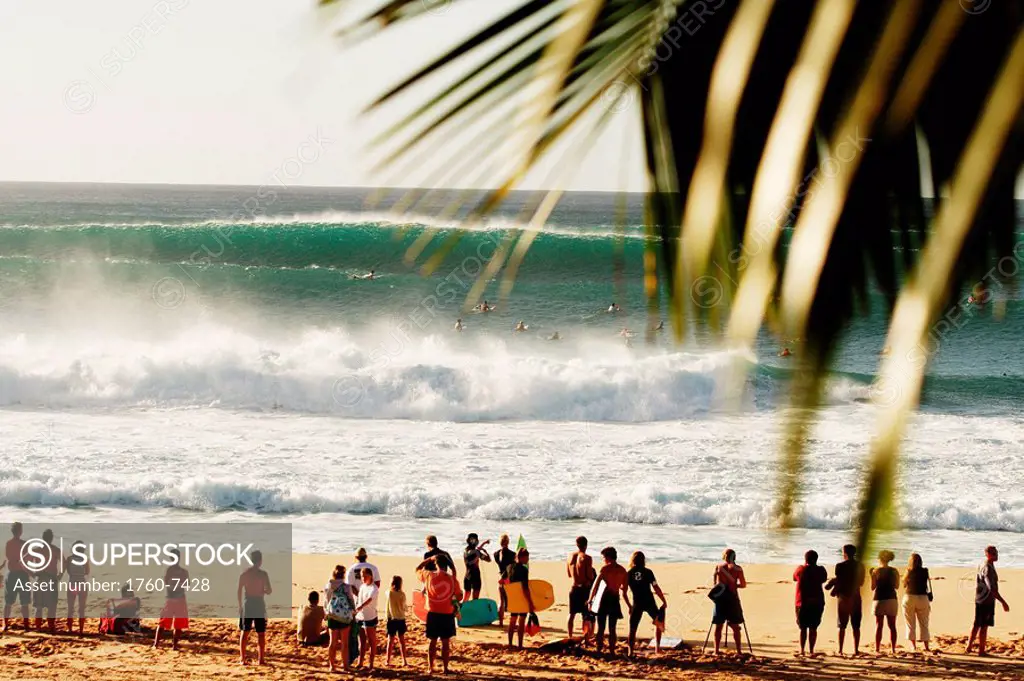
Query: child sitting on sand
x,y
396,619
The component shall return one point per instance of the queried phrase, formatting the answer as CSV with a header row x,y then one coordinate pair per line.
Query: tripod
x,y
745,632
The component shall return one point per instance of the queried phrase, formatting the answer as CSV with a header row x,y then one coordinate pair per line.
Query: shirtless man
x,y
254,585
458,325
728,609
17,575
580,568
174,615
47,578
609,610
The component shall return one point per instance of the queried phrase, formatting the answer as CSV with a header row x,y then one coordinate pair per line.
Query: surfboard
x,y
542,592
598,596
419,605
478,613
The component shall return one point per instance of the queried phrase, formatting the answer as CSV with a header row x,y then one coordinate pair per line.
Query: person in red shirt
x,y
810,599
443,593
17,576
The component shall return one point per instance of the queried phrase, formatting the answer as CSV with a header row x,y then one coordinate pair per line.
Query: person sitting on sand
x,y
443,593
519,572
641,582
885,581
580,568
122,614
472,556
728,609
366,618
917,606
309,628
458,324
810,600
986,594
504,557
396,619
609,610
174,615
253,589
846,586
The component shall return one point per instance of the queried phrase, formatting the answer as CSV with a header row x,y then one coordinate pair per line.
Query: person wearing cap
x,y
354,576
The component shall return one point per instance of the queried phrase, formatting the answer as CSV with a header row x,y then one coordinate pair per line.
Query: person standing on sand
x,y
355,578
340,619
443,593
885,582
917,597
366,618
433,551
728,608
78,590
609,610
17,578
519,572
174,615
846,586
580,568
253,588
504,558
47,578
473,554
641,582
396,619
810,599
986,593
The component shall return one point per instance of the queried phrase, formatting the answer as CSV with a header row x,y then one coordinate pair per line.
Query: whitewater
x,y
265,382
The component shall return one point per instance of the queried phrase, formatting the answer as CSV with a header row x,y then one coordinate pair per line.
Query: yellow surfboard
x,y
542,592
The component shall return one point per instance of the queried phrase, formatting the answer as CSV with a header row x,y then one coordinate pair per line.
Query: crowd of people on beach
x,y
347,621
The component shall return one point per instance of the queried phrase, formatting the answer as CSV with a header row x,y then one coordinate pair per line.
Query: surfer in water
x,y
458,324
484,307
472,555
555,336
785,352
660,326
521,326
365,277
613,308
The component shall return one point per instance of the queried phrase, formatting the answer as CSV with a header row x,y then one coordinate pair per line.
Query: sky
x,y
218,91
228,92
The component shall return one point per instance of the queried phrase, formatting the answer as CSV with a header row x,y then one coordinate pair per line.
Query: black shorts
x,y
11,591
440,626
610,606
335,625
808,616
657,614
985,614
259,624
396,627
728,610
472,581
369,624
850,610
578,597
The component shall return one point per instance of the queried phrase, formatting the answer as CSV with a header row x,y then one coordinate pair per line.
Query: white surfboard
x,y
598,596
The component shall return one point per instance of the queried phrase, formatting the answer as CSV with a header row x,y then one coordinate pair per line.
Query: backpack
x,y
339,606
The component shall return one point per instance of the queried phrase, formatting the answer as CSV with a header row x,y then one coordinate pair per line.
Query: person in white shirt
x,y
366,618
355,573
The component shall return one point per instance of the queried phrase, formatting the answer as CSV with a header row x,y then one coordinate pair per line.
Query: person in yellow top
x,y
396,618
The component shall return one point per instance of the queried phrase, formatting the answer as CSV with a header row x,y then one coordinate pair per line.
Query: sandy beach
x,y
480,653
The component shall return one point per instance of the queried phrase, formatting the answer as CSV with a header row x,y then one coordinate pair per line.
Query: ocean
x,y
207,353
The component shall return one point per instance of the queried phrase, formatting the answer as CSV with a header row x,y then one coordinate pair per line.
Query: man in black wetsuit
x,y
472,555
